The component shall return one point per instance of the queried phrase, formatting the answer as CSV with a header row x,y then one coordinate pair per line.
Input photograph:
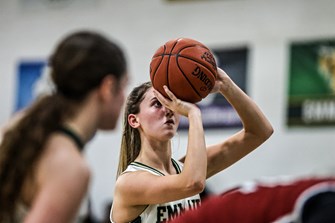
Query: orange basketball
x,y
186,66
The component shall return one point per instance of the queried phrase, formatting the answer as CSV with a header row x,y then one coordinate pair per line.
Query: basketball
x,y
186,66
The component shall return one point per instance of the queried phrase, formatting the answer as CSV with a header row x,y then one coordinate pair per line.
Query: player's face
x,y
156,120
116,101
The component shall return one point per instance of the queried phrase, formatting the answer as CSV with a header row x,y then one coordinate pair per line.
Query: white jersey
x,y
157,213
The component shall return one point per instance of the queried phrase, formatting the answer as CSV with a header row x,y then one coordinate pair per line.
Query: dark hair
x,y
78,64
82,60
131,141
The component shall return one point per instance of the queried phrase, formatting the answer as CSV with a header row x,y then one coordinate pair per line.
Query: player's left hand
x,y
219,82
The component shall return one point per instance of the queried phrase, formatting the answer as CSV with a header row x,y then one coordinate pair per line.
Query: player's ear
x,y
107,87
133,121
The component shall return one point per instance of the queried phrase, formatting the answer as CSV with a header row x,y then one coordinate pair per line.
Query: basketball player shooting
x,y
154,187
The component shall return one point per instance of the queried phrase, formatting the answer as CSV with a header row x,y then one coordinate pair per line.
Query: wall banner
x,y
32,81
311,93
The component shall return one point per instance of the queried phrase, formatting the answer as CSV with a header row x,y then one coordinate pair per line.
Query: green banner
x,y
311,100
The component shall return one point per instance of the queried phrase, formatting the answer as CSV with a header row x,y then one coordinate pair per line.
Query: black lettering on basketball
x,y
208,57
198,73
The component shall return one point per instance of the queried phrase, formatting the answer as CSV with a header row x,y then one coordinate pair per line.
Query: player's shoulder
x,y
133,180
61,157
130,177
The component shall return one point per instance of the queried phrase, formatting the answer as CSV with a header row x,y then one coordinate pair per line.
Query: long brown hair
x,y
78,64
131,141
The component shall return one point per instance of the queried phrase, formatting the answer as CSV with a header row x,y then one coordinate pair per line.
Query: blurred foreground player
x,y
43,174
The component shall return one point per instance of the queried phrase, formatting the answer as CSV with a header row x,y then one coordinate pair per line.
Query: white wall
x,y
30,28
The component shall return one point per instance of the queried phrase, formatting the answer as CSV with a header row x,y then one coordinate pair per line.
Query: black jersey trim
x,y
74,136
137,220
142,165
176,166
135,163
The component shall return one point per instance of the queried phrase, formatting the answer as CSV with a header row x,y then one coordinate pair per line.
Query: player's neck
x,y
160,160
